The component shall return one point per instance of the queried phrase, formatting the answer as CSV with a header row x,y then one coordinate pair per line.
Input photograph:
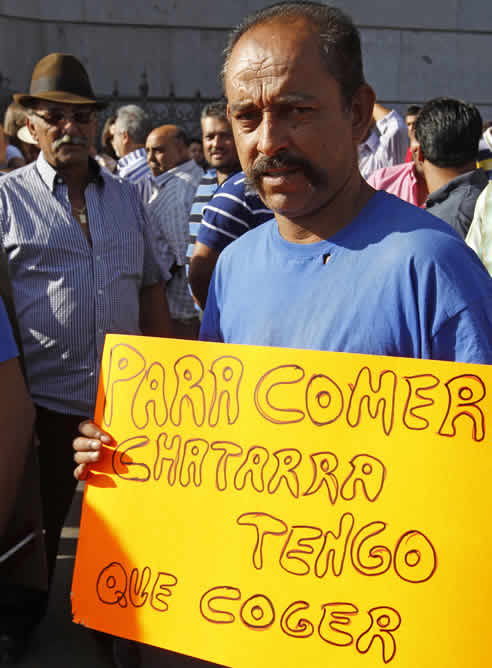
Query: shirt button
x,y
100,331
98,257
99,292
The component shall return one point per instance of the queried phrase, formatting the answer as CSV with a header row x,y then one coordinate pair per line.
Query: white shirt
x,y
479,235
386,145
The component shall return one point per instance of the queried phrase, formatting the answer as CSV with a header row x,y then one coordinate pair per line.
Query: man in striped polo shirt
x,y
220,153
131,128
81,265
233,210
167,196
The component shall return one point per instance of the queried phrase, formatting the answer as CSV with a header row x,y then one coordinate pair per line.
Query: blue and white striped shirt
x,y
69,293
134,166
168,200
230,213
206,188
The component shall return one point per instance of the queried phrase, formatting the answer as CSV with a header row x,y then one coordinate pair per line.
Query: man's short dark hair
x,y
448,132
339,40
412,110
217,109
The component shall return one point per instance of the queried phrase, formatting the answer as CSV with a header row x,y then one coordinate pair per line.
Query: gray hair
x,y
135,121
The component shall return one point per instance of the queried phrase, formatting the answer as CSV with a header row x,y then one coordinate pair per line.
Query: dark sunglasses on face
x,y
54,116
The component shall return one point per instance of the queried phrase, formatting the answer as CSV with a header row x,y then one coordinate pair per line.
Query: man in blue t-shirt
x,y
339,267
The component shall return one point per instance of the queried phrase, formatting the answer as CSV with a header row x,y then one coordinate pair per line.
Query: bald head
x,y
167,147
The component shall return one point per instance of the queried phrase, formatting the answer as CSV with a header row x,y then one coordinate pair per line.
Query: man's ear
x,y
32,128
361,111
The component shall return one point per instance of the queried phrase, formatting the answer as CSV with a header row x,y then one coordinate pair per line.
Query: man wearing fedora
x,y
81,265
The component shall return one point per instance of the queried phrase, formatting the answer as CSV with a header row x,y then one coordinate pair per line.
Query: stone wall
x,y
413,51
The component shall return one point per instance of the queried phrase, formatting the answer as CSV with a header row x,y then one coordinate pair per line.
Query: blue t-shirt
x,y
8,348
395,281
232,211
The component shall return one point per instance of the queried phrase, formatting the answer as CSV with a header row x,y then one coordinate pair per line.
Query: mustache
x,y
282,160
69,139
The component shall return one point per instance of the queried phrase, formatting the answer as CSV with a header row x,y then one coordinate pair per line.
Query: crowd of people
x,y
301,218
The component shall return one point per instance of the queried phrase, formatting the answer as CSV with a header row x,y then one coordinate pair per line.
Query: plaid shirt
x,y
69,293
169,198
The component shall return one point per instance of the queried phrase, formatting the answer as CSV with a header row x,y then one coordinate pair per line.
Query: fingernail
x,y
94,456
95,445
105,438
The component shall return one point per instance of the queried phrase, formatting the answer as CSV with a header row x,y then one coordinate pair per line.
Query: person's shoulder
x,y
229,196
235,184
389,174
121,190
19,179
247,245
414,229
117,181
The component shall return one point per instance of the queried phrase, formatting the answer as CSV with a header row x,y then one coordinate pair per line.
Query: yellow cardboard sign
x,y
272,507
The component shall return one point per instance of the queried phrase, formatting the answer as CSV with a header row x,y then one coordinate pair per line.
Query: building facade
x,y
167,54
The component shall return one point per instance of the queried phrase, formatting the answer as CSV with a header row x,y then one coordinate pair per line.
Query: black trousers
x,y
21,609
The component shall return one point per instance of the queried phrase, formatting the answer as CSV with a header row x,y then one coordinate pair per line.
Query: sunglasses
x,y
54,116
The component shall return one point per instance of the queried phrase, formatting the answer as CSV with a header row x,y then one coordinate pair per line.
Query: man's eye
x,y
247,115
302,110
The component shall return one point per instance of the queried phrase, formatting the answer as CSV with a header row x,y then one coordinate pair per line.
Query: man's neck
x,y
76,177
223,176
437,177
132,149
333,216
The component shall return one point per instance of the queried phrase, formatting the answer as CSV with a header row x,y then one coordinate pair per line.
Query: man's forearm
x,y
155,319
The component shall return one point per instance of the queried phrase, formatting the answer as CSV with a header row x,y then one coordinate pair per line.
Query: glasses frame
x,y
66,116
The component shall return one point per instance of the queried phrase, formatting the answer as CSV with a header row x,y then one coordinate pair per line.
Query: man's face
x,y
296,142
164,152
218,144
119,141
410,121
195,150
415,151
64,132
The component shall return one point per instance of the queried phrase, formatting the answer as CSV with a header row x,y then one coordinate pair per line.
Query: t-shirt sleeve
x,y
467,337
210,327
225,218
8,347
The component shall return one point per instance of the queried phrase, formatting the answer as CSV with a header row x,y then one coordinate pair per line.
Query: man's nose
x,y
217,141
68,123
272,136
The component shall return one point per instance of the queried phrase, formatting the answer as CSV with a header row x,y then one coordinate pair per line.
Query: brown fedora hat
x,y
59,77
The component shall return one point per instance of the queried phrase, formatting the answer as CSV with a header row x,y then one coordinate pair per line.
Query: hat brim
x,y
24,135
26,100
